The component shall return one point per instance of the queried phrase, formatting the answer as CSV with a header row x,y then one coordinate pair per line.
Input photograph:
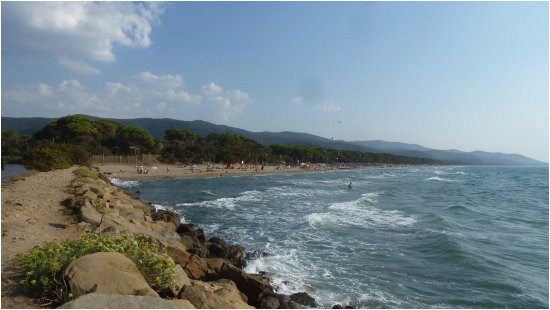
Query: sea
x,y
408,237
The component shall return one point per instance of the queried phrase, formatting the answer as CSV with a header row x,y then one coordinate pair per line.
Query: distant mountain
x,y
157,127
456,156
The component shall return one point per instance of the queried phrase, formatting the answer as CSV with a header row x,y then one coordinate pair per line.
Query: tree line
x,y
74,139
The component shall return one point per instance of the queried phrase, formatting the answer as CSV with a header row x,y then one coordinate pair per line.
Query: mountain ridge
x,y
157,127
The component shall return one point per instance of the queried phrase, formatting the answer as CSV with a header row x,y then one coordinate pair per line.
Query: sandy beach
x,y
163,171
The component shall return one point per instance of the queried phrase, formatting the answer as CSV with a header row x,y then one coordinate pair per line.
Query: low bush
x,y
47,158
45,264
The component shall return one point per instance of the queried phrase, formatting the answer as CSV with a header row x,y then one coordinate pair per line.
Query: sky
x,y
446,75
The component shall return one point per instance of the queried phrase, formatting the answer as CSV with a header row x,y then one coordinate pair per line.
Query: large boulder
x,y
102,301
233,252
106,273
303,298
221,294
166,216
251,285
89,214
196,268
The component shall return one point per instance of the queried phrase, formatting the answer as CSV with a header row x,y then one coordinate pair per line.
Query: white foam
x,y
124,183
225,202
162,207
439,179
360,212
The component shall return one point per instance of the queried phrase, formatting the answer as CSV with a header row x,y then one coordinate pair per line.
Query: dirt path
x,y
31,215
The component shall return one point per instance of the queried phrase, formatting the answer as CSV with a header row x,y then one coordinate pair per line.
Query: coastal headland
x,y
69,204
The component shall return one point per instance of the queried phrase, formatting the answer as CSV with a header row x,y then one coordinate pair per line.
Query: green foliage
x,y
48,158
14,144
85,172
45,264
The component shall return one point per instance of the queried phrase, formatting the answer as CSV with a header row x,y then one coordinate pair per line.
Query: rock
x,y
349,307
102,301
90,195
200,235
106,273
182,304
166,216
181,280
196,268
337,306
295,305
221,294
178,252
185,228
89,214
303,298
234,253
252,286
269,302
165,229
83,226
256,254
105,195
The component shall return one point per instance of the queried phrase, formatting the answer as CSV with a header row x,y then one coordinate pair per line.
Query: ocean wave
x,y
162,207
360,212
225,202
124,183
440,179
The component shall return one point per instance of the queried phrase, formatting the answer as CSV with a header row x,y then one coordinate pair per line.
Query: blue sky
x,y
463,75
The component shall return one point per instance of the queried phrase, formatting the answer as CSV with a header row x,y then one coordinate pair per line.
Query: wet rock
x,y
303,298
106,273
337,306
235,253
295,305
269,302
166,216
252,286
256,254
272,300
349,307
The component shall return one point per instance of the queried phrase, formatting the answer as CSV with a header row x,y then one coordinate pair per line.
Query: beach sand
x,y
163,171
32,213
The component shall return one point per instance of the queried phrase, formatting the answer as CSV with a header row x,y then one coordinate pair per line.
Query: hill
x,y
466,158
157,128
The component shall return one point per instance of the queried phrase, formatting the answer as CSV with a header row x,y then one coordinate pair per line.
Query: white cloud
x,y
230,103
77,31
297,100
160,81
329,106
182,96
211,89
144,95
44,90
79,66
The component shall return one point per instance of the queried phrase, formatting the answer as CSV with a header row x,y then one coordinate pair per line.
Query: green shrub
x,y
85,172
48,158
45,264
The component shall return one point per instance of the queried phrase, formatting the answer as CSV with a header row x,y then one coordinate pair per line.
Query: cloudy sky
x,y
445,75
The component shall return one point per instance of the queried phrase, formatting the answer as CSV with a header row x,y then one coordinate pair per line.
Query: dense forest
x,y
74,139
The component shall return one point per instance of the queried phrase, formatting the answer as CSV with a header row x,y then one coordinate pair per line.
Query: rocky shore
x,y
208,270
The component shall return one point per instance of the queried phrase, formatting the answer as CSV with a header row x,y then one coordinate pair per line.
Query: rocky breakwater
x,y
208,272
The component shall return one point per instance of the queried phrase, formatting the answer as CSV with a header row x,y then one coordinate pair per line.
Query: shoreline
x,y
169,171
208,265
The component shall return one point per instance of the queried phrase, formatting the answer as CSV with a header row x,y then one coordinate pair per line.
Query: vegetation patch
x,y
45,264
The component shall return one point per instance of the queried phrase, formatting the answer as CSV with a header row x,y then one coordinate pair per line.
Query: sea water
x,y
416,237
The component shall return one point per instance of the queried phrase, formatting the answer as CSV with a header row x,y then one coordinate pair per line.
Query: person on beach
x,y
349,185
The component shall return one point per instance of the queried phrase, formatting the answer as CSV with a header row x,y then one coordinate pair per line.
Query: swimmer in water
x,y
349,185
